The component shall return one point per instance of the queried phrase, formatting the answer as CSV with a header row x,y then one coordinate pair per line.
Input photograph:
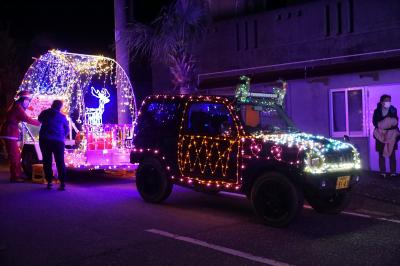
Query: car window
x,y
270,119
160,116
211,119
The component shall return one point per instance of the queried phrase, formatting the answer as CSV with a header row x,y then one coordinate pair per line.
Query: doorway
x,y
374,93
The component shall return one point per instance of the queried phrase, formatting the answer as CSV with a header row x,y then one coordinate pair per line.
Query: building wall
x,y
308,37
314,30
308,103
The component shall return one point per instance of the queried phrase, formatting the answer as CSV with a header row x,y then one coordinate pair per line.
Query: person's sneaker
x,y
383,175
61,187
49,185
393,175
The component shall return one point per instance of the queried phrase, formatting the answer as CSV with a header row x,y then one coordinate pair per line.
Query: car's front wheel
x,y
331,204
152,181
276,200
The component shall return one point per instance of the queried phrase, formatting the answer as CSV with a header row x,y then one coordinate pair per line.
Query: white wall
x,y
308,105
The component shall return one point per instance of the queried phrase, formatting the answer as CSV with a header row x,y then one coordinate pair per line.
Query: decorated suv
x,y
244,145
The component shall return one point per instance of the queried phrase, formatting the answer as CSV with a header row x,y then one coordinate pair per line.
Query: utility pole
x,y
122,53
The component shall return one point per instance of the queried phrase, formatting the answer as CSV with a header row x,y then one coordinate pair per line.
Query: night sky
x,y
76,26
84,26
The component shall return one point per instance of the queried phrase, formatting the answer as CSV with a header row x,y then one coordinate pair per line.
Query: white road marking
x,y
389,220
357,214
218,248
375,213
343,212
365,215
233,194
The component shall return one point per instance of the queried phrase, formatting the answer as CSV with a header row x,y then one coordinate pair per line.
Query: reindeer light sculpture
x,y
94,116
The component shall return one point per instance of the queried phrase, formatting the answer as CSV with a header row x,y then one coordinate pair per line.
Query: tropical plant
x,y
169,37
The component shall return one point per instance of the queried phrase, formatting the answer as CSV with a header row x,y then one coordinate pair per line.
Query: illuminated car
x,y
213,144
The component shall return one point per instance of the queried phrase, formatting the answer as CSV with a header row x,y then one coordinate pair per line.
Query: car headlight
x,y
314,163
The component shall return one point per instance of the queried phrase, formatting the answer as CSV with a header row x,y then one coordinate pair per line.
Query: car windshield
x,y
269,119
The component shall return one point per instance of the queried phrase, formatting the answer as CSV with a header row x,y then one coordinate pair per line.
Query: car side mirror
x,y
346,138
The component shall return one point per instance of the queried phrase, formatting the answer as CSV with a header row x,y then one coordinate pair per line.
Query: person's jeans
x,y
392,161
48,148
14,156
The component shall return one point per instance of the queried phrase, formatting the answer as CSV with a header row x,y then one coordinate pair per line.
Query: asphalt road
x,y
105,222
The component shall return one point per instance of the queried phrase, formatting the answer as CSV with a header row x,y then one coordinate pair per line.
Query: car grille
x,y
338,157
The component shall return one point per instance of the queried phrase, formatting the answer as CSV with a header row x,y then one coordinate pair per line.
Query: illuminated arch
x,y
64,75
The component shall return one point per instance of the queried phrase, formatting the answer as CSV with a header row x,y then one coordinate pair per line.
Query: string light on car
x,y
207,156
244,96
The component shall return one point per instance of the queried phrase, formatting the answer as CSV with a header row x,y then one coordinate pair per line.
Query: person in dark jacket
x,y
10,133
383,110
52,135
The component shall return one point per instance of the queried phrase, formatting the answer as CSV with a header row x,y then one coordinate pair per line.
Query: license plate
x,y
343,182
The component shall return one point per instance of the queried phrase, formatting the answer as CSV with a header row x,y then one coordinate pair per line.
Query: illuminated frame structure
x,y
68,77
61,74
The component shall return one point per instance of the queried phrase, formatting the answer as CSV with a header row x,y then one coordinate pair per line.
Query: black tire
x,y
28,157
276,200
332,204
152,181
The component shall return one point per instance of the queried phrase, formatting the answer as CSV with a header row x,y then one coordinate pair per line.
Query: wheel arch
x,y
260,168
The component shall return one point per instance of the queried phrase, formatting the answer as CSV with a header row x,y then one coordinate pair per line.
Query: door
x,y
374,93
208,145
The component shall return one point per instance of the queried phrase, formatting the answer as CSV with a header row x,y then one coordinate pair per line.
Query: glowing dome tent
x,y
96,92
70,77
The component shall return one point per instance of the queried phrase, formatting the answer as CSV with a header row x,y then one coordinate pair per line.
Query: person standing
x,y
52,135
385,110
10,133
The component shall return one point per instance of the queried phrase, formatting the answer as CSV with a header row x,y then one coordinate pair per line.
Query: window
x,y
209,119
347,109
327,21
160,116
339,18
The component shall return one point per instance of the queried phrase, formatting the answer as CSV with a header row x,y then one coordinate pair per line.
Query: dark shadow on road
x,y
98,177
310,224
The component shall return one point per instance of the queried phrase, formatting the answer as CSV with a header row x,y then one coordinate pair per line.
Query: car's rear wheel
x,y
331,204
152,181
276,200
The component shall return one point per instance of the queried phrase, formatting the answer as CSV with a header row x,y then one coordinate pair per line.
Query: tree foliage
x,y
169,37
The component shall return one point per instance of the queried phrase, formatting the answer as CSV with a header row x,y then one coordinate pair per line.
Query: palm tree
x,y
169,37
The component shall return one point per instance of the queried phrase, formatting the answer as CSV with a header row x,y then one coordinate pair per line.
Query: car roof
x,y
186,97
